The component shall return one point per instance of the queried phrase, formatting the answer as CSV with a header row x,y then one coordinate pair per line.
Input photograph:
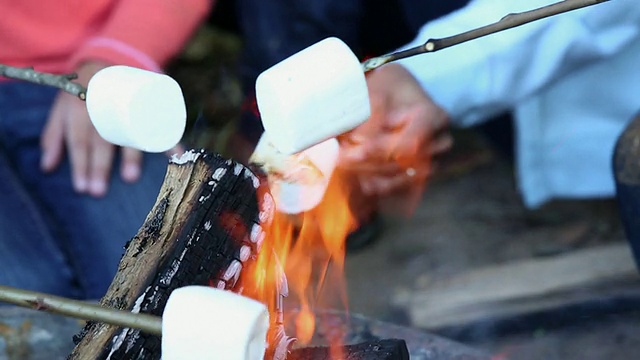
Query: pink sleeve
x,y
144,33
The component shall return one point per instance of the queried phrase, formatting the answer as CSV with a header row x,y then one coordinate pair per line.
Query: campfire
x,y
214,224
304,260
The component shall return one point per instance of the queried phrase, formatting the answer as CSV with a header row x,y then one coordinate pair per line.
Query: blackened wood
x,y
388,349
202,218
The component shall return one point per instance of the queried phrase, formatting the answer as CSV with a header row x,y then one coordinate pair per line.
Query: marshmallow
x,y
136,108
297,182
201,323
314,95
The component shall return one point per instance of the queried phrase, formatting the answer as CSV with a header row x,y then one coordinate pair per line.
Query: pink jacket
x,y
55,36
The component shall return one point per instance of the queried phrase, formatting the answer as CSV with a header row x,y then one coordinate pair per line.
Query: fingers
x,y
131,165
90,156
441,144
79,137
52,140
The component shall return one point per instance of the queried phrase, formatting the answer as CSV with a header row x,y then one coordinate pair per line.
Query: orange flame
x,y
310,247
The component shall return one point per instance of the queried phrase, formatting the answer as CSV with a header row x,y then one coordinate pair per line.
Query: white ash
x,y
236,276
118,341
175,265
132,340
259,243
187,156
267,209
237,169
256,233
245,253
138,304
219,173
254,178
234,267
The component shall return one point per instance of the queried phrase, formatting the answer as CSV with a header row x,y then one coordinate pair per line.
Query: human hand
x,y
392,151
69,126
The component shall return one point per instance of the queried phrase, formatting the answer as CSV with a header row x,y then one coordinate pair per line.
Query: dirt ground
x,y
471,216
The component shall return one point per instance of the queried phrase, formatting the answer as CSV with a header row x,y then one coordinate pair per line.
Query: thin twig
x,y
507,22
62,82
80,309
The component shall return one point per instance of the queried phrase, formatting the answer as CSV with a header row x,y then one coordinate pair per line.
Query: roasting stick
x,y
507,22
80,309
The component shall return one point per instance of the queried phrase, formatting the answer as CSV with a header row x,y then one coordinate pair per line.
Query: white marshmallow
x,y
314,95
297,182
201,323
136,108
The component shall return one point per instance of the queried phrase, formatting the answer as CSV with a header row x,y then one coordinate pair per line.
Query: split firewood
x,y
203,230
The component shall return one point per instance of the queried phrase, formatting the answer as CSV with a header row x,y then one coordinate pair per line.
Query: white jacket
x,y
573,81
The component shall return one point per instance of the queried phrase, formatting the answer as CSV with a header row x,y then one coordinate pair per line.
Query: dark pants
x,y
626,170
51,238
273,30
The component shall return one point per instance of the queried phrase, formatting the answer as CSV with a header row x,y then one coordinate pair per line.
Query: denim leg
x,y
91,232
29,256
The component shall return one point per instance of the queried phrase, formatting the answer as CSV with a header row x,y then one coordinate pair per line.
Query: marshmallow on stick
x,y
297,182
312,96
136,108
204,323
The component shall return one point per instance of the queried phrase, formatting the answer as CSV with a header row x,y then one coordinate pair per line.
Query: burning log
x,y
204,228
388,349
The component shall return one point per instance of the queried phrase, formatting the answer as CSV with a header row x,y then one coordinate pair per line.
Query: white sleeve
x,y
483,77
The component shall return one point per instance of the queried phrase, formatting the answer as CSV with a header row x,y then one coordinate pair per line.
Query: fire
x,y
310,249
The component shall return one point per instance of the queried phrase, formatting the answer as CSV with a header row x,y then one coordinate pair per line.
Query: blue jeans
x,y
52,239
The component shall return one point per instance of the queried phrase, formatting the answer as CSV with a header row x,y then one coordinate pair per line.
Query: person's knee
x,y
626,167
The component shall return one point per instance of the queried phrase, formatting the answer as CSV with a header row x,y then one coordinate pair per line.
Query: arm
x,y
144,33
480,78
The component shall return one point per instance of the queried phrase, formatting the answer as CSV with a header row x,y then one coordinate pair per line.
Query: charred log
x,y
203,229
388,349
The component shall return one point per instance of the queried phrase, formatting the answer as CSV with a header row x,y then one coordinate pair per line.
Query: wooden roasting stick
x,y
80,309
507,22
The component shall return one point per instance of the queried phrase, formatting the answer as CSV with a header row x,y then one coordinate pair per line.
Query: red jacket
x,y
56,35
